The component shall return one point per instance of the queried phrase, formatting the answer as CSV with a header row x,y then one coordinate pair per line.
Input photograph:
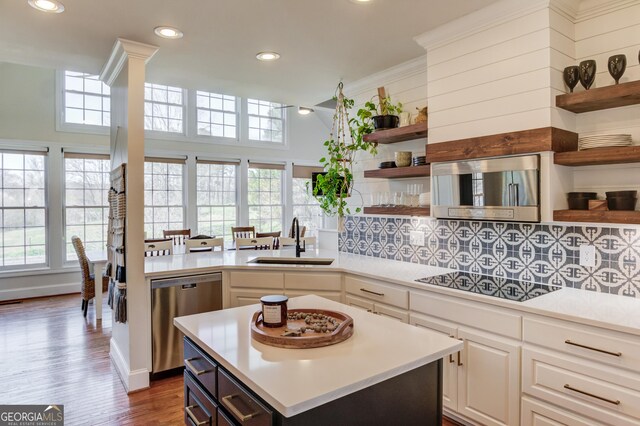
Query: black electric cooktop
x,y
503,288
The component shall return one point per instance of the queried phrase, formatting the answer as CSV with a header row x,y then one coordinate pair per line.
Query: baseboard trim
x,y
40,291
456,417
131,380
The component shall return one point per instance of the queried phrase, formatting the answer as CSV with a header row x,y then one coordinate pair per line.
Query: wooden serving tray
x,y
310,339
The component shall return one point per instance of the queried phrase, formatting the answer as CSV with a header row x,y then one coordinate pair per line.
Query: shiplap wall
x,y
599,36
406,83
491,79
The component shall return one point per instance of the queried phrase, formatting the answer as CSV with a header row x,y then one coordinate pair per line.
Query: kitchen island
x,y
386,373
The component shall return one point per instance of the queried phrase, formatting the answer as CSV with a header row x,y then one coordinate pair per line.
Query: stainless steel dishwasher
x,y
175,297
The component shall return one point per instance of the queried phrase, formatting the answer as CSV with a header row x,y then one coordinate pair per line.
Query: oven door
x,y
490,189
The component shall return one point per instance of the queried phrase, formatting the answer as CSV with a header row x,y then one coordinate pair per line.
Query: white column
x,y
125,73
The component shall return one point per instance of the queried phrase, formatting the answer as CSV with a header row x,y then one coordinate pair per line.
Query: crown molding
x,y
122,50
593,8
397,72
491,16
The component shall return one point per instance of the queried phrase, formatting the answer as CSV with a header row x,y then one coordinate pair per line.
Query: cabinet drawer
x,y
313,281
357,302
472,314
596,344
538,413
244,297
607,394
256,279
391,312
223,420
331,295
199,409
201,366
377,292
243,406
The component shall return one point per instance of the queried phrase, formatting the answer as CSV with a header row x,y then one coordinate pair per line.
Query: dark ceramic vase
x,y
587,73
381,122
571,77
617,64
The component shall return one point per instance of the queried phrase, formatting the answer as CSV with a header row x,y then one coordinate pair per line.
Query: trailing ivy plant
x,y
345,141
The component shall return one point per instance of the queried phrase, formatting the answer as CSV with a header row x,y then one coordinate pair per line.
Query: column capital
x,y
122,50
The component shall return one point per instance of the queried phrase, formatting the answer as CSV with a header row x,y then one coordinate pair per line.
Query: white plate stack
x,y
603,141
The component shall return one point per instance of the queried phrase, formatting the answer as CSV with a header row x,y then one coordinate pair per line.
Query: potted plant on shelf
x,y
332,187
384,114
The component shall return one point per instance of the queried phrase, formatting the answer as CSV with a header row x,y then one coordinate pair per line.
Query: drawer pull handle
x,y
193,417
451,360
610,401
192,367
604,351
372,292
226,400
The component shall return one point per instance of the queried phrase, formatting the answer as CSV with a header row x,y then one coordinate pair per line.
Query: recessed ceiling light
x,y
267,56
51,6
304,110
168,32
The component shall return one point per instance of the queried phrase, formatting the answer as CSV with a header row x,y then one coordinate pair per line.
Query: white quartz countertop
x,y
614,312
296,380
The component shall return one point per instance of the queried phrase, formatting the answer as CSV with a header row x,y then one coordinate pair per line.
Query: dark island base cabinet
x,y
412,398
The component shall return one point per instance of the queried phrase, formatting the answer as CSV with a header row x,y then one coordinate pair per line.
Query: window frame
x,y
266,144
184,205
61,124
186,122
28,267
222,140
84,156
283,188
237,192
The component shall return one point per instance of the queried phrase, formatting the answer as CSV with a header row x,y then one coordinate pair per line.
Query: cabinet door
x,y
331,295
240,297
391,312
489,379
538,413
449,364
358,302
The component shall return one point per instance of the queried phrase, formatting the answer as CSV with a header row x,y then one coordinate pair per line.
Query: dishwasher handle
x,y
187,280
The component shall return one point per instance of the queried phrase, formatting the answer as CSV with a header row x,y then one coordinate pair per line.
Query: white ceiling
x,y
321,41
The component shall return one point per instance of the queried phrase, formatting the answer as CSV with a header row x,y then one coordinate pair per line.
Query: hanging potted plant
x,y
384,114
335,184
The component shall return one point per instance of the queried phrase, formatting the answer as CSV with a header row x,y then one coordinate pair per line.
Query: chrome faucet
x,y
296,229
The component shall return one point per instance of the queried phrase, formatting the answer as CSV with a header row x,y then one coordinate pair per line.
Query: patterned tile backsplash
x,y
547,253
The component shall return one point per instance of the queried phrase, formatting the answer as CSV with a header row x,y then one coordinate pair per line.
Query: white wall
x,y
28,117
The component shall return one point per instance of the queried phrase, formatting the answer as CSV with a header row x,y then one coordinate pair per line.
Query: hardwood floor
x,y
50,354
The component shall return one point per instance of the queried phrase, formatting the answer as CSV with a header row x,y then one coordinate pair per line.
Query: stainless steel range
x,y
501,287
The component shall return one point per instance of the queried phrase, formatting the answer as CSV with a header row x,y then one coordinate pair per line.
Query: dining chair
x,y
204,244
179,236
243,232
303,229
308,241
88,285
158,247
263,243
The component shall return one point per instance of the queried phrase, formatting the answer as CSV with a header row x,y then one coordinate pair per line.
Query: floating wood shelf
x,y
399,210
597,216
399,172
399,134
596,156
617,95
521,142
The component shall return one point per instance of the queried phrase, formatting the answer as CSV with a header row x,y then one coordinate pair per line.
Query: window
x,y
216,114
266,121
86,100
23,229
216,198
265,196
86,205
163,196
163,108
305,207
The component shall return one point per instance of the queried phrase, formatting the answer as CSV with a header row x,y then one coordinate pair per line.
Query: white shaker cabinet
x,y
378,298
482,382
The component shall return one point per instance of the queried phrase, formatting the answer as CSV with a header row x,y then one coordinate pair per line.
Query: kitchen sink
x,y
293,260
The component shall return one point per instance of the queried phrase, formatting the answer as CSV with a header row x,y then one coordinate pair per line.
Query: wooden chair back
x,y
263,243
308,241
203,244
179,236
303,229
243,232
158,247
87,287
